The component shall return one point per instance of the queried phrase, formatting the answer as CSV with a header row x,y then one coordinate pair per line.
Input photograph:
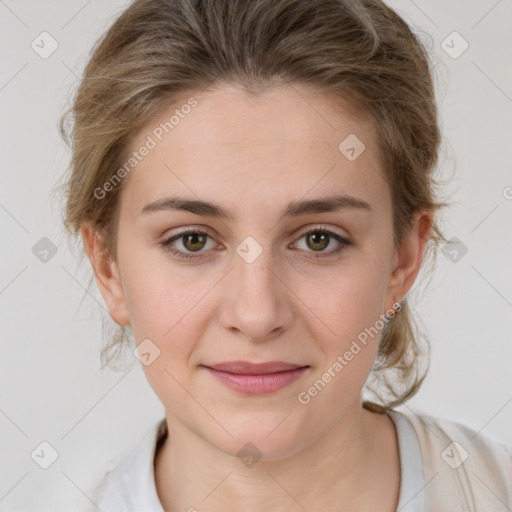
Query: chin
x,y
268,438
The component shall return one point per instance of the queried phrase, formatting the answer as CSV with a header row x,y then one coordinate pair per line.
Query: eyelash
x,y
167,244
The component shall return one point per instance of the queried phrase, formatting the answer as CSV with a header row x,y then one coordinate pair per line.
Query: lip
x,y
248,368
256,378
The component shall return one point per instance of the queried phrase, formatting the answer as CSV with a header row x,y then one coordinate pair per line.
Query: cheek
x,y
347,331
345,301
344,320
158,295
168,310
167,304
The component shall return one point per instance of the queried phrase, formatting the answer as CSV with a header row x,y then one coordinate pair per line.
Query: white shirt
x,y
429,480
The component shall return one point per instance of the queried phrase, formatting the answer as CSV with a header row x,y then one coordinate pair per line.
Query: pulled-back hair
x,y
357,50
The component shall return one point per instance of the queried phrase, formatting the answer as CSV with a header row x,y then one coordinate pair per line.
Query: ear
x,y
106,273
408,257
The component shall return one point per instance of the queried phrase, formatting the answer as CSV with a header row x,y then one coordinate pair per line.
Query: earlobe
x,y
408,258
106,274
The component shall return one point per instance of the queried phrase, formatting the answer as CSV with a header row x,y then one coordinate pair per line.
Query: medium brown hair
x,y
358,50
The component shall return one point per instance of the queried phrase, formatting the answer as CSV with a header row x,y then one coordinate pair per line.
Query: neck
x,y
191,473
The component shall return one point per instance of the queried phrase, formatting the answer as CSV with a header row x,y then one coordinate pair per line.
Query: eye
x,y
318,239
191,241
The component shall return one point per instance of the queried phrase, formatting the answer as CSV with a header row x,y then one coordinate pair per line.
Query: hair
x,y
362,51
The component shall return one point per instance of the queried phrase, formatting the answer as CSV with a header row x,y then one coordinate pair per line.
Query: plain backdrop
x,y
51,387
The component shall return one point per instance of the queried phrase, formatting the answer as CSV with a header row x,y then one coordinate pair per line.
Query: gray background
x,y
51,386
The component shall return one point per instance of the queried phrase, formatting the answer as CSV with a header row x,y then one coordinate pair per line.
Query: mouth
x,y
256,378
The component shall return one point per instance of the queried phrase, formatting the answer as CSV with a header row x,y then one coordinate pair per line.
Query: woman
x,y
254,186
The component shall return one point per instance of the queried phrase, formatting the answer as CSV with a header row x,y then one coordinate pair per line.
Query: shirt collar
x,y
412,480
133,487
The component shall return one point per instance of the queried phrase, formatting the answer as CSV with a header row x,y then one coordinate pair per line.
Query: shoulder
x,y
464,469
129,485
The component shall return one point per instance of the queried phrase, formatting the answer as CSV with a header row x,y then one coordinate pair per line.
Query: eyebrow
x,y
329,203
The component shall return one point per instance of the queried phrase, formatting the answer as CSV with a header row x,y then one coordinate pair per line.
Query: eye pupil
x,y
318,238
194,237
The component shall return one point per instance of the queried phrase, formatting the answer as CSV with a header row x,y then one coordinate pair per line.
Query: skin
x,y
296,302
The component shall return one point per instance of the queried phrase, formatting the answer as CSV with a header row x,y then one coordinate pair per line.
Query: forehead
x,y
281,142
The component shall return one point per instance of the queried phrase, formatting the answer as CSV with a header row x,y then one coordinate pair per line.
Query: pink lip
x,y
255,379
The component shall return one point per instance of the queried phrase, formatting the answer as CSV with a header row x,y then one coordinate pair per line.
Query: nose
x,y
256,301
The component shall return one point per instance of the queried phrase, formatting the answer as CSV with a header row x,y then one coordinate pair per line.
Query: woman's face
x,y
252,285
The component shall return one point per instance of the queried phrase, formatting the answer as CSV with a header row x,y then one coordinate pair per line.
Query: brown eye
x,y
321,242
189,244
194,241
317,240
